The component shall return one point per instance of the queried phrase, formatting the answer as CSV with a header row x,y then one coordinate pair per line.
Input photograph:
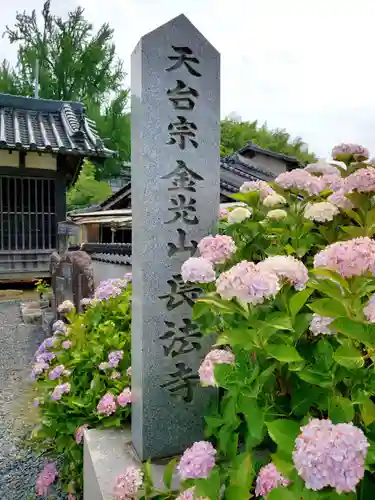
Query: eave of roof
x,y
47,126
251,146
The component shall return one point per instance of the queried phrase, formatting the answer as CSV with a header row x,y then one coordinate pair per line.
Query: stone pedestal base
x,y
107,453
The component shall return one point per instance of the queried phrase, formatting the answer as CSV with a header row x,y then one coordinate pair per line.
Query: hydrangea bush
x,y
82,380
289,287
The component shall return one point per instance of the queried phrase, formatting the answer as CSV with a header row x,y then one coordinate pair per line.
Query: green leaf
x,y
348,356
328,307
316,378
168,473
367,408
283,353
323,353
298,300
253,415
354,231
323,273
283,463
284,432
279,320
199,309
282,494
352,329
241,477
209,487
340,410
215,301
370,457
353,215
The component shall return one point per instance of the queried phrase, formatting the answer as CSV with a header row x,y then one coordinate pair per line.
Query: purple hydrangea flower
x,y
330,455
115,357
56,372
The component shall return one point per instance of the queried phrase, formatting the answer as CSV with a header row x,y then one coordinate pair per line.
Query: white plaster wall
x,y
106,270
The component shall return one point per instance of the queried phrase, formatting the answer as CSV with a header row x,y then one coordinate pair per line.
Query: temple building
x,y
42,146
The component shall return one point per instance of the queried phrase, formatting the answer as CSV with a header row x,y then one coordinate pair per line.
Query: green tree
x,y
75,64
87,190
235,134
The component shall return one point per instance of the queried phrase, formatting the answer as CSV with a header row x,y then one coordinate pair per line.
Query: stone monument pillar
x,y
175,201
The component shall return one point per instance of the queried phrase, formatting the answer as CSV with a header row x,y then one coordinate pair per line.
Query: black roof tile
x,y
48,126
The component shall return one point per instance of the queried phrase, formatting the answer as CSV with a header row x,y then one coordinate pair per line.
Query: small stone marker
x,y
175,202
74,278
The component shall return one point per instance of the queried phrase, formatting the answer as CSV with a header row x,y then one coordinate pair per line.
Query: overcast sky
x,y
303,65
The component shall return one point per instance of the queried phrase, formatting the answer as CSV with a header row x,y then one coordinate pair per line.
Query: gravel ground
x,y
19,467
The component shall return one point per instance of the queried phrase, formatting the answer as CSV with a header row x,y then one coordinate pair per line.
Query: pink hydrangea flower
x,y
217,249
45,479
128,276
115,375
300,179
349,258
189,495
330,455
129,371
261,187
288,267
128,484
125,397
369,310
362,180
197,461
107,405
207,368
248,283
59,390
67,344
332,181
347,150
322,167
198,270
339,199
223,213
79,433
268,479
320,325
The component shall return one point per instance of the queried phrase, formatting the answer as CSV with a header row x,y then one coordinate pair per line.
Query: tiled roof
x,y
251,146
43,125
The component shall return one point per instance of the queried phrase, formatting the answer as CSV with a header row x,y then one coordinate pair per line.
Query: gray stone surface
x,y
175,202
107,453
19,467
74,278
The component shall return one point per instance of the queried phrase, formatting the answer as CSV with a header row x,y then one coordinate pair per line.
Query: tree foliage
x,y
87,190
76,64
235,134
